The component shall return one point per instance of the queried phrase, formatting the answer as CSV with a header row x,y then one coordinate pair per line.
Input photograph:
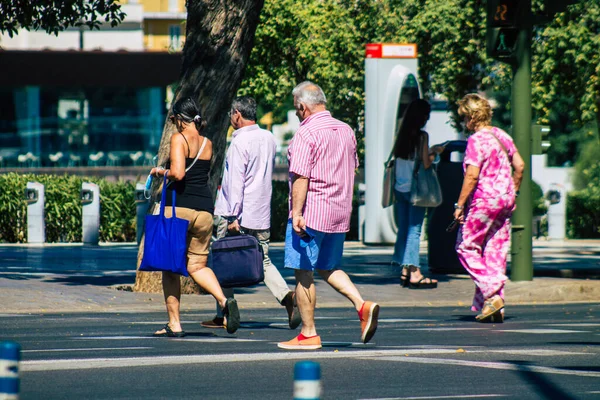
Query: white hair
x,y
309,93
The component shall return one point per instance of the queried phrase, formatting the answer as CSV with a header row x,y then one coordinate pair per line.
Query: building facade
x,y
90,98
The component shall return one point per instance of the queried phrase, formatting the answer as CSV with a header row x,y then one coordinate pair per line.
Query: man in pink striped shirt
x,y
322,160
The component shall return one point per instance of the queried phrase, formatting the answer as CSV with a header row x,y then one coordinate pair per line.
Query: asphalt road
x,y
540,352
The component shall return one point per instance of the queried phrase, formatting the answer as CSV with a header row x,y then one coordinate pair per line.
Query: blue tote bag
x,y
165,242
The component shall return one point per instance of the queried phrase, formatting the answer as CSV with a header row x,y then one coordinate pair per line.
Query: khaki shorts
x,y
199,232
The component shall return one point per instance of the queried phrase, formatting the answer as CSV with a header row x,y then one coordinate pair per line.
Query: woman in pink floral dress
x,y
493,171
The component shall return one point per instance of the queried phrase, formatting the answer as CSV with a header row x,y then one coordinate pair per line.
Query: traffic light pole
x,y
521,249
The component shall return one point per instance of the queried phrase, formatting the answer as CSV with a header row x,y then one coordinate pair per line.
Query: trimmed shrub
x,y
279,210
583,213
64,210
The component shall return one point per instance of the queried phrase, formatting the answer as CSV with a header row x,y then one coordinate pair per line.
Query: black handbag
x,y
237,261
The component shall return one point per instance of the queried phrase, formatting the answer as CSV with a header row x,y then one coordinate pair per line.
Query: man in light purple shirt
x,y
244,199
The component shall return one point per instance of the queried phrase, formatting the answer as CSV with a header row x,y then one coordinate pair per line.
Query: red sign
x,y
391,50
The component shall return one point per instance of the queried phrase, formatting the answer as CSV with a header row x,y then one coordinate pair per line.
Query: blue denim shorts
x,y
319,250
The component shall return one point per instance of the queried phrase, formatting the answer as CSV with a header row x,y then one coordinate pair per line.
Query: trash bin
x,y
441,244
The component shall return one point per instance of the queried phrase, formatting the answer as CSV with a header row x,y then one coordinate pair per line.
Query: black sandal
x,y
423,285
404,279
169,332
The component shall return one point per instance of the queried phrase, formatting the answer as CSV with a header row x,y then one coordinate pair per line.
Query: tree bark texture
x,y
219,38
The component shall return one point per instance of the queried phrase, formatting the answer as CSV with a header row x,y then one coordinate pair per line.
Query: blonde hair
x,y
476,109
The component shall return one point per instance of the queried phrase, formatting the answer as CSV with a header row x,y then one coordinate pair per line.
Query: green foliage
x,y
279,210
588,166
324,41
583,218
566,77
56,16
583,205
63,208
537,197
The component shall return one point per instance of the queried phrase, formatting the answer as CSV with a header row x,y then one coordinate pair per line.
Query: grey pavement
x,y
76,278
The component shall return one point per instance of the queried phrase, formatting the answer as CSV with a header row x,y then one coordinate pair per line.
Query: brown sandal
x,y
491,307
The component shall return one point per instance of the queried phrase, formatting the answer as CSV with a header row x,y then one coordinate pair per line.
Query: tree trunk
x,y
219,38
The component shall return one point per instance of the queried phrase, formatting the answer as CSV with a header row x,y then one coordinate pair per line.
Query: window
x,y
174,37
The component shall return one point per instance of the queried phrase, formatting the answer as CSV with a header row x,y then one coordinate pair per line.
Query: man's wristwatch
x,y
231,220
457,207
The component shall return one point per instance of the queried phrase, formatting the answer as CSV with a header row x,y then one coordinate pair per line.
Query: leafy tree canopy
x,y
324,41
54,16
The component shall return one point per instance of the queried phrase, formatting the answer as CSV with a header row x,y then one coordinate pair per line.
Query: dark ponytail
x,y
408,138
187,110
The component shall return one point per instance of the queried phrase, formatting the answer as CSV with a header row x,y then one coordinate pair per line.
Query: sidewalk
x,y
86,280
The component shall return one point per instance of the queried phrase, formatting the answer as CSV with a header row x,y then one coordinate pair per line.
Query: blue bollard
x,y
307,381
10,355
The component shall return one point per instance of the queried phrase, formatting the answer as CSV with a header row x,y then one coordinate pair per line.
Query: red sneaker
x,y
301,342
368,314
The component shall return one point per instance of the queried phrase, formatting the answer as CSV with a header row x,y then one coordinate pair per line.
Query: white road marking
x,y
16,315
540,331
214,340
116,337
347,344
534,352
491,365
211,339
442,329
404,320
85,349
399,355
94,363
161,323
576,325
462,396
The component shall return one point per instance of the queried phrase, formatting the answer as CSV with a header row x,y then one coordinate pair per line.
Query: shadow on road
x,y
544,387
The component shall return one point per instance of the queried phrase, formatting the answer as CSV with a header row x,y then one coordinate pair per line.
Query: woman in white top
x,y
411,142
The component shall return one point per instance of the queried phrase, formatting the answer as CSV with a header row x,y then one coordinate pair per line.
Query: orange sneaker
x,y
301,342
368,314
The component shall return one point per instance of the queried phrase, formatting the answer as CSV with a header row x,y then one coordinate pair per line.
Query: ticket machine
x,y
390,86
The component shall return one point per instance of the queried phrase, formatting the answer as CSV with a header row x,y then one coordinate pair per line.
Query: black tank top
x,y
193,190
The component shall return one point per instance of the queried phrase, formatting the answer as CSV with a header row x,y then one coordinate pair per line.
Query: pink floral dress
x,y
484,239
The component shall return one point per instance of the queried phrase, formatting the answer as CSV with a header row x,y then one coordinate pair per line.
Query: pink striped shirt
x,y
324,151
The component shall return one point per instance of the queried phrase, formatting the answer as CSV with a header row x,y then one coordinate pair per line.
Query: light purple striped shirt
x,y
324,151
247,186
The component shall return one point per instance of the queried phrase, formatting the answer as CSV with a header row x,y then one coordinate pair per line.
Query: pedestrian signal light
x,y
538,134
502,30
502,13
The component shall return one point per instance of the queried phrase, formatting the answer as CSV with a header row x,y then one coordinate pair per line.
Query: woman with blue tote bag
x,y
187,171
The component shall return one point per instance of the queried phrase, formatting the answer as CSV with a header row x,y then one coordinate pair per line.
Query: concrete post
x,y
142,205
90,199
36,222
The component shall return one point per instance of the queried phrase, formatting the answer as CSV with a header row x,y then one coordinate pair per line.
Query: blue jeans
x,y
409,220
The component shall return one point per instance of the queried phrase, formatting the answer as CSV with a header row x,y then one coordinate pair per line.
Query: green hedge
x,y
63,208
583,213
279,210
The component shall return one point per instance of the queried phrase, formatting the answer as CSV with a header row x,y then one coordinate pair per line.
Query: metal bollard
x,y
36,223
307,381
141,205
361,211
10,355
90,198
